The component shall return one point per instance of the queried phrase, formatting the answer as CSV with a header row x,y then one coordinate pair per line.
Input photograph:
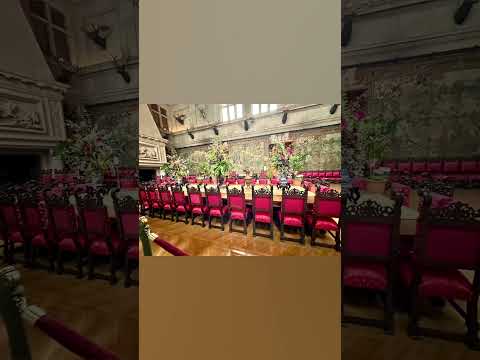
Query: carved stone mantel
x,y
151,152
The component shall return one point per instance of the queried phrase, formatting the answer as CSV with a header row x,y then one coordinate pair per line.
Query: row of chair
x,y
447,241
206,203
45,219
458,171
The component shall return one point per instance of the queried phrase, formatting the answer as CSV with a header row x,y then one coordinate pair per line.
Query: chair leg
x,y
472,325
51,259
254,228
389,313
176,216
113,277
230,225
282,231
193,219
79,265
203,220
271,231
302,235
314,235
60,268
245,225
128,280
91,266
209,222
413,329
223,224
171,215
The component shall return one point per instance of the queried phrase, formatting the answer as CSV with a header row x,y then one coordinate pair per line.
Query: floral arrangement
x,y
176,166
287,160
88,149
218,159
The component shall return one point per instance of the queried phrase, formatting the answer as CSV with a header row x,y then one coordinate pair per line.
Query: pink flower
x,y
360,115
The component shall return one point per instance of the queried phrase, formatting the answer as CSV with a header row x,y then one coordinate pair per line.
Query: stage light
x,y
333,109
463,11
347,22
215,130
245,125
191,135
285,117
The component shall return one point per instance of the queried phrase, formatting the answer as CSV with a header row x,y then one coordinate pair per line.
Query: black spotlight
x,y
245,125
215,130
333,109
180,119
463,10
285,117
191,135
346,29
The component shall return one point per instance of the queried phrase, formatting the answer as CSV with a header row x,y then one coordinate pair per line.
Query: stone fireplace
x,y
31,113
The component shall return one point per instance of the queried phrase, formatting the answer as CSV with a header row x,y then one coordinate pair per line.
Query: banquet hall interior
x,y
410,222
68,173
240,179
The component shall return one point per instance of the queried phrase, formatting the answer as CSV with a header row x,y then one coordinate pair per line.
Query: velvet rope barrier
x,y
146,237
38,318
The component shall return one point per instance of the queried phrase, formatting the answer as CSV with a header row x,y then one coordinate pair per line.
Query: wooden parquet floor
x,y
199,241
108,315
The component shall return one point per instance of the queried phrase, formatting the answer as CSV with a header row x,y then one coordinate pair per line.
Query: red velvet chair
x,y
448,241
196,203
241,182
35,228
237,207
370,242
262,205
419,167
292,214
97,231
274,181
263,181
391,164
404,166
144,200
10,225
326,207
166,201
215,207
154,200
180,203
62,216
402,190
126,208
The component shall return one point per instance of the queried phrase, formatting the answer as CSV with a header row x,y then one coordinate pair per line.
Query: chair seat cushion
x,y
239,215
365,276
447,284
146,205
132,253
155,205
199,210
67,244
39,240
15,237
263,217
100,247
183,208
167,207
218,212
322,223
293,220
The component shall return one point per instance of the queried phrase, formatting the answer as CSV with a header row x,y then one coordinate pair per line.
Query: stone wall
x,y
436,101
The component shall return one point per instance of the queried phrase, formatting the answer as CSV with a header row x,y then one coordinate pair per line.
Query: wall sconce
x,y
463,10
191,135
215,130
346,29
245,125
98,34
121,67
285,117
333,109
180,118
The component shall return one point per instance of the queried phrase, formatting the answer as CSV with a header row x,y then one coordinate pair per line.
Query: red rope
x,y
170,248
